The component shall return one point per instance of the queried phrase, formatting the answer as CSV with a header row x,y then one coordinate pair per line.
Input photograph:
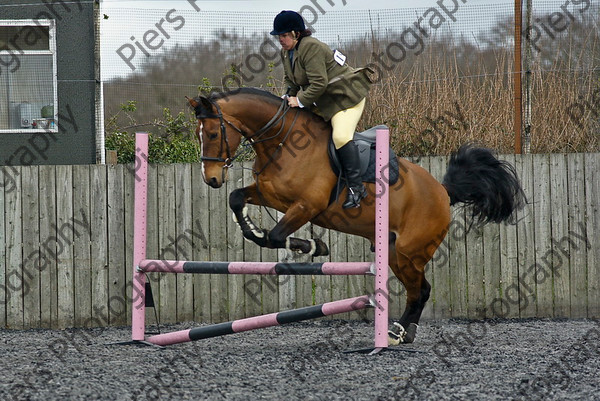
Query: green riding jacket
x,y
320,82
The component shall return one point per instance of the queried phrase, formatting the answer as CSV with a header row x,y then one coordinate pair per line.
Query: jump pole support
x,y
382,207
381,297
379,300
138,304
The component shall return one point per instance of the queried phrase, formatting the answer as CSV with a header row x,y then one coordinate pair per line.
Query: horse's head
x,y
218,137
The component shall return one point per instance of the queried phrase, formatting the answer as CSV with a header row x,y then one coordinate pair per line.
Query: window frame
x,y
51,24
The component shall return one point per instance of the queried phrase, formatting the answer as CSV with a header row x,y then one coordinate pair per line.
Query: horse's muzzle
x,y
215,176
214,182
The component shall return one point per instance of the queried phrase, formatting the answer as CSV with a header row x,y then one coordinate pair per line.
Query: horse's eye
x,y
212,136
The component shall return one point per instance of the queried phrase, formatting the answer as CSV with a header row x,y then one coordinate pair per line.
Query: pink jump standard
x,y
379,299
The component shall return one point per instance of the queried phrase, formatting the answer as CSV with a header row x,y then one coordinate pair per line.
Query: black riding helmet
x,y
287,21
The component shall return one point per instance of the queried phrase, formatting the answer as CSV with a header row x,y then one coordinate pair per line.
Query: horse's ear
x,y
201,102
192,102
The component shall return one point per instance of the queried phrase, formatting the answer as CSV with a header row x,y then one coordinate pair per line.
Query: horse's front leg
x,y
238,199
295,217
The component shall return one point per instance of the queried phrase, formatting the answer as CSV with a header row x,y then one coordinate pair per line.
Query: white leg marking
x,y
396,339
313,246
257,233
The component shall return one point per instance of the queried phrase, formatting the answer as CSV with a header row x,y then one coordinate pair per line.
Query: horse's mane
x,y
258,94
267,96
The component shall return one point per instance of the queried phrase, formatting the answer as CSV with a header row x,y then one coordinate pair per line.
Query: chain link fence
x,y
443,73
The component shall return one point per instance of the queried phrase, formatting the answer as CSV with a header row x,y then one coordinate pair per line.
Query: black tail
x,y
489,186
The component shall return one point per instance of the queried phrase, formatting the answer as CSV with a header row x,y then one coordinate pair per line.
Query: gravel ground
x,y
451,360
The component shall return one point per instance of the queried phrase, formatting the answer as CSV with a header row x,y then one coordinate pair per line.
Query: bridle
x,y
224,140
257,137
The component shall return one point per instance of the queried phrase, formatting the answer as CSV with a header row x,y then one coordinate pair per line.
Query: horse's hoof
x,y
411,333
398,335
321,248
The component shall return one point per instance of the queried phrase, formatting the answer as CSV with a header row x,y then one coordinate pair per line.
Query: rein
x,y
254,139
279,115
280,146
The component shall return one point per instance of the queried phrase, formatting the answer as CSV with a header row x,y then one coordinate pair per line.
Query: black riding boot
x,y
351,165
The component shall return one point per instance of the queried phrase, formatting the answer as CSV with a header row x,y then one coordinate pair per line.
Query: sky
x,y
278,5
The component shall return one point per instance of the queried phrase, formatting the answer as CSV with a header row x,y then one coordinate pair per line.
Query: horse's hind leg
x,y
278,237
412,275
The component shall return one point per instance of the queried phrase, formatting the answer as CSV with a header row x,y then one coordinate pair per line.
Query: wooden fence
x,y
66,249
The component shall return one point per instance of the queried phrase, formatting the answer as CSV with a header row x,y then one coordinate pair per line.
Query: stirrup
x,y
354,197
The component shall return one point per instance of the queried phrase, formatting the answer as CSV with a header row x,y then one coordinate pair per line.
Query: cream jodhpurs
x,y
344,124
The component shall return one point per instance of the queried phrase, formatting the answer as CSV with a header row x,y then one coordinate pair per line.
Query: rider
x,y
318,77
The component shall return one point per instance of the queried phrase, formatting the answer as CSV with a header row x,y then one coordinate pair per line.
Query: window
x,y
28,93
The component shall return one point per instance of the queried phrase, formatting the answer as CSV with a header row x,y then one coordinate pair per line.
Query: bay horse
x,y
293,175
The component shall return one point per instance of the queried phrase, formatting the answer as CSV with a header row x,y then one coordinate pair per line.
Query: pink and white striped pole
x,y
138,306
381,237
